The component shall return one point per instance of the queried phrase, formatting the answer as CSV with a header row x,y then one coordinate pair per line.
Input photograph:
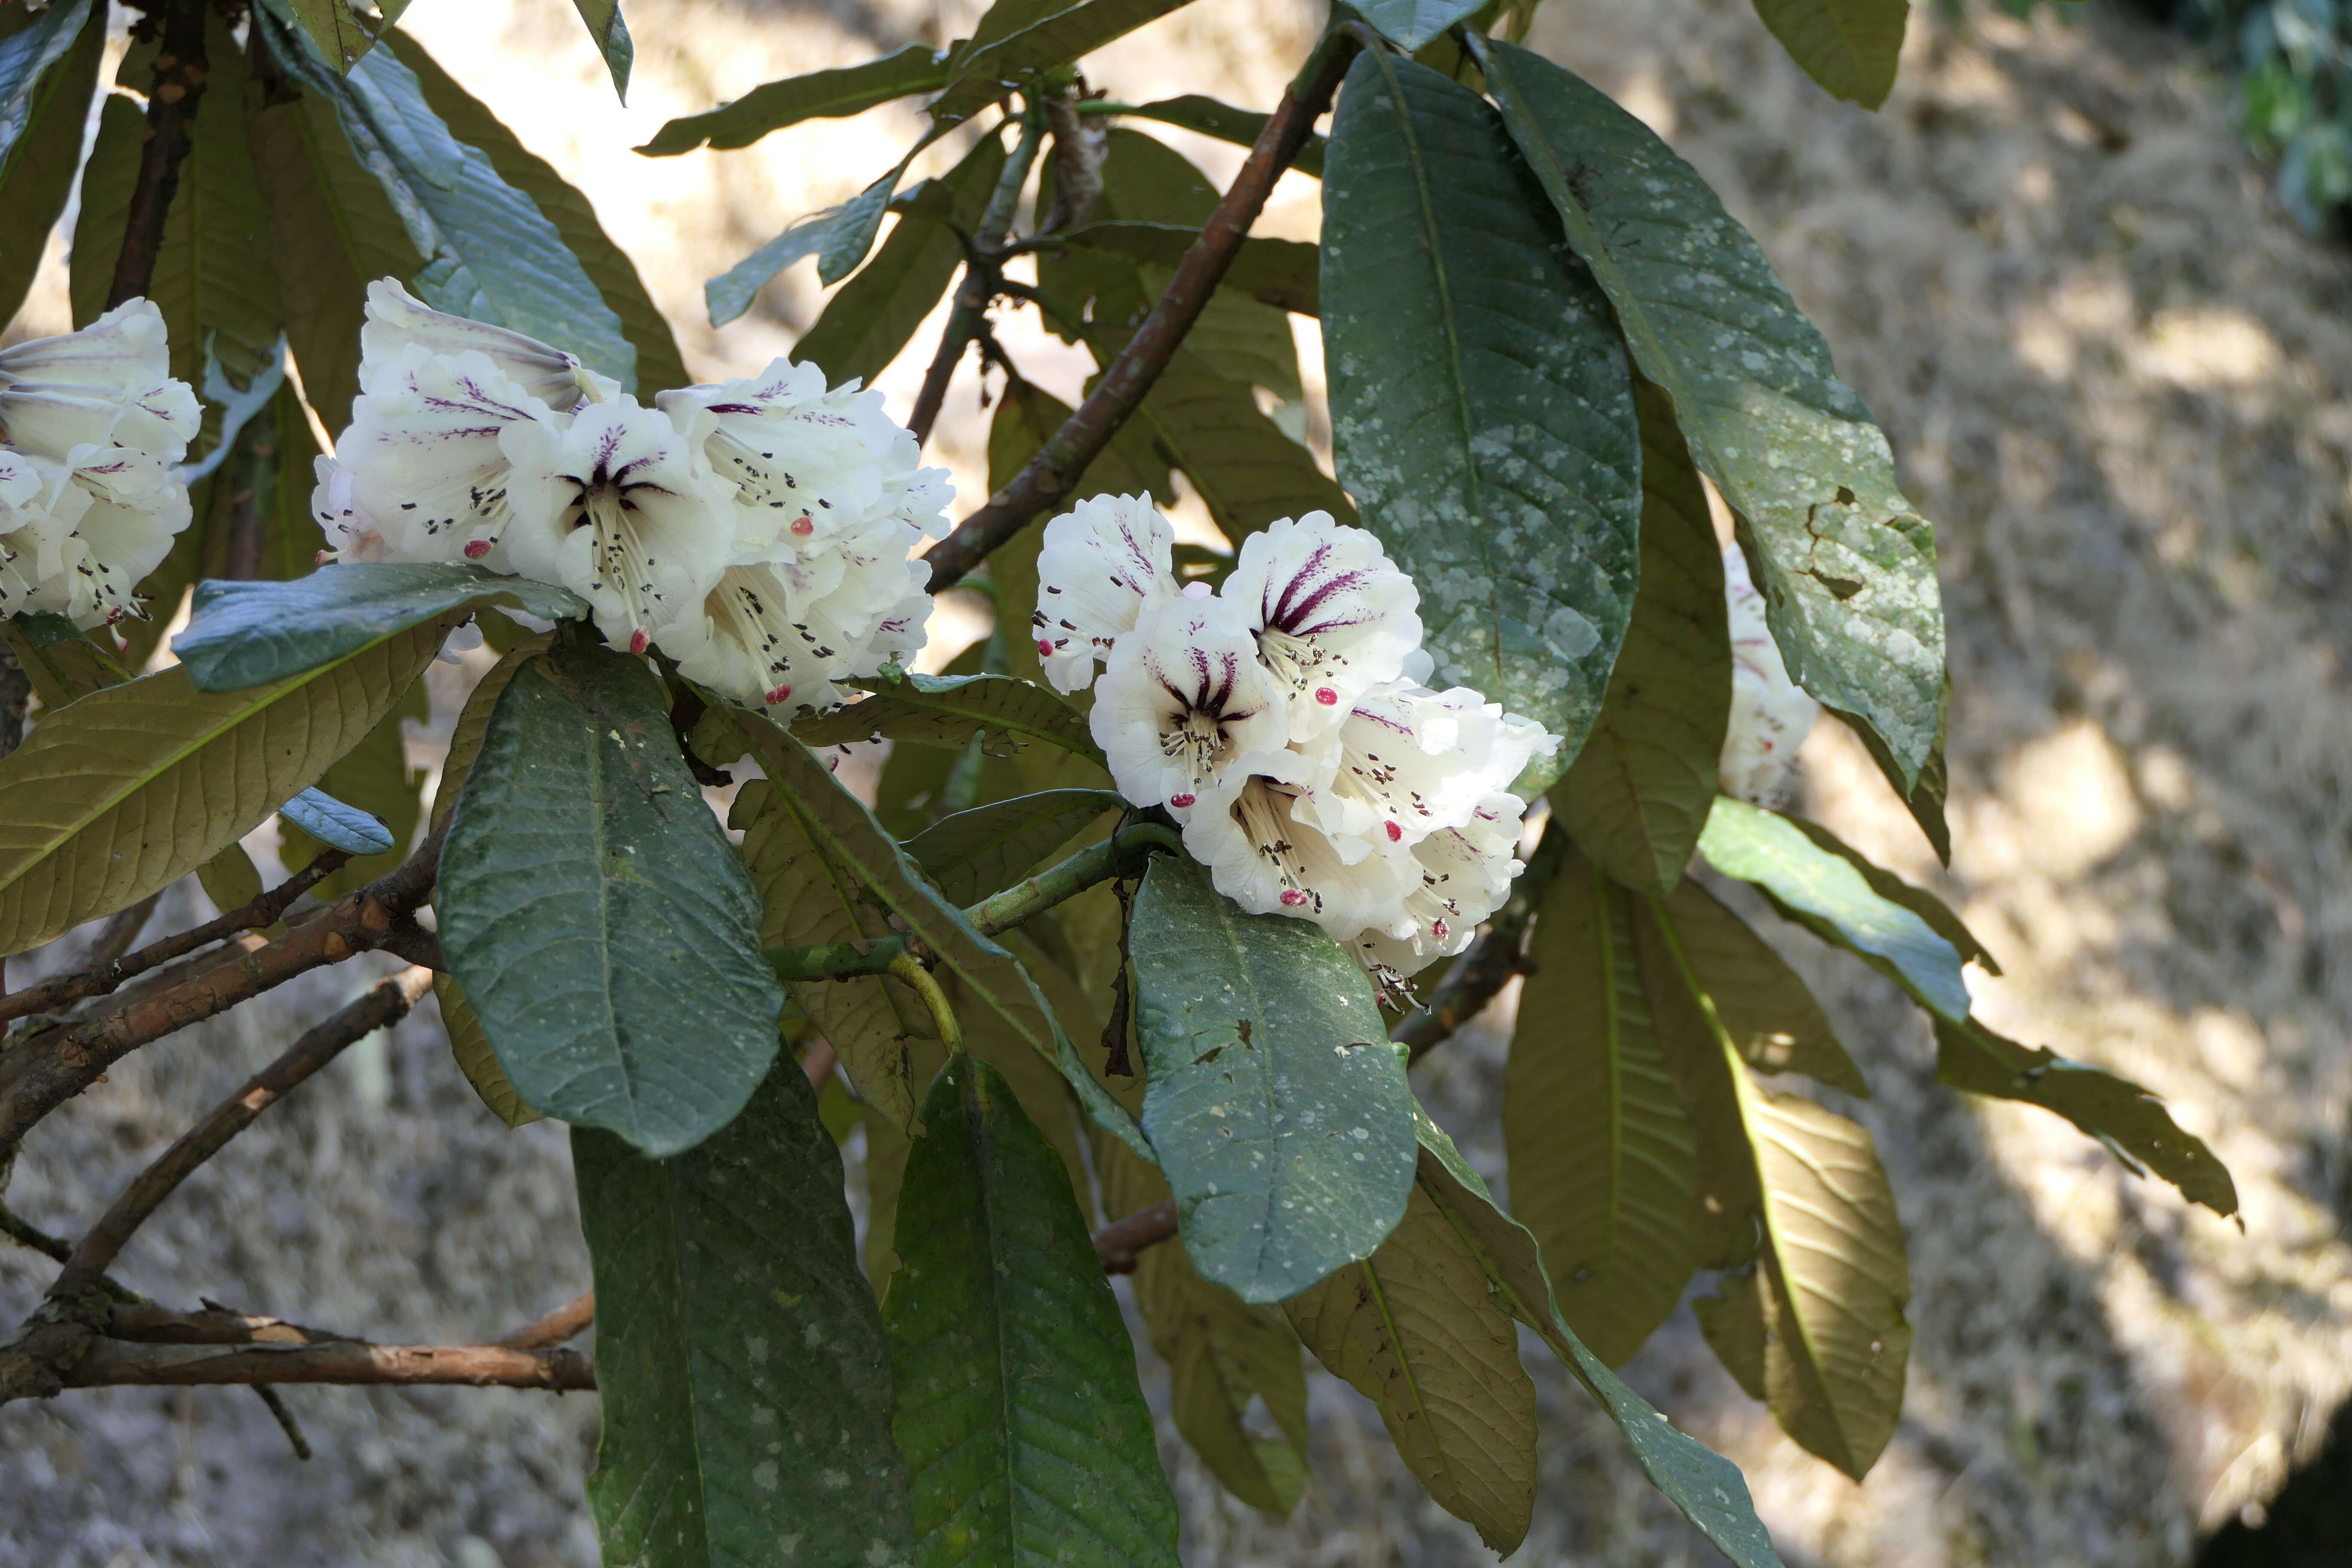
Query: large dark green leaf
x,y
1482,410
1603,1162
950,710
1847,567
1246,470
1018,1409
819,94
1708,1488
659,365
1275,1105
1019,40
1849,47
244,634
49,69
1213,117
1412,23
586,889
1814,1325
865,325
1637,795
974,853
740,1357
495,256
1283,273
153,778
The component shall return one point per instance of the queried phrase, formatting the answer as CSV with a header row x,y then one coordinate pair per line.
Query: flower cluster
x,y
90,425
1771,714
757,531
1282,721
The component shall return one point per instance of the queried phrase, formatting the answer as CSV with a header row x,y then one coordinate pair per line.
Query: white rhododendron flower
x,y
757,532
1282,722
91,423
1771,714
1096,568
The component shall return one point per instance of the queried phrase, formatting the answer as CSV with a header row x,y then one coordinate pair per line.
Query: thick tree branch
x,y
384,1004
172,101
981,278
1118,1243
40,1073
1059,463
110,969
109,1363
1498,953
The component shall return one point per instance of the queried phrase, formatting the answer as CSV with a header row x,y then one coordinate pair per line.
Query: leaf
x,y
1213,116
1482,411
1274,1103
818,95
474,722
1412,23
866,324
584,888
338,29
1144,180
230,879
1918,900
244,634
149,779
48,69
335,824
1025,1433
108,176
1246,470
374,779
740,1358
1603,1162
839,236
1281,273
1846,566
495,255
1222,1352
1771,1015
1806,1186
61,663
950,710
475,1057
973,853
1638,793
333,231
1708,1488
1026,417
1019,40
1849,47
659,365
611,36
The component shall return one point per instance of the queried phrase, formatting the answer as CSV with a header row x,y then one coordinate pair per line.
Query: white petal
x,y
1097,567
109,382
398,320
1333,617
1267,858
423,459
1182,701
1771,714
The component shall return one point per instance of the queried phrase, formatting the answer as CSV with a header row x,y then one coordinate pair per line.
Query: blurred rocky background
x,y
2118,376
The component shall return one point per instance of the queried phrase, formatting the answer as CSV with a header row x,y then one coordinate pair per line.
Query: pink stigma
x,y
802,526
1291,898
1396,833
1440,930
322,558
780,693
1045,649
476,548
638,640
1180,801
1326,696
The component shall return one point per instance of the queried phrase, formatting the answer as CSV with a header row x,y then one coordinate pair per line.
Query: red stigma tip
x,y
1291,898
320,559
780,693
1440,930
638,640
1045,649
1396,833
1180,801
804,525
1326,696
476,548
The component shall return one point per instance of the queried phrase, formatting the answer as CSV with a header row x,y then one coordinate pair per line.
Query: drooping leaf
x,y
336,824
1603,1160
1221,1351
1275,1102
1025,1433
1765,1007
1849,47
1802,1189
659,365
494,255
230,878
1846,566
1918,900
1019,40
1481,406
1213,116
108,177
1708,1488
740,1357
584,888
839,236
865,325
49,69
1283,273
973,853
155,777
1638,793
1412,23
950,710
244,634
1248,471
338,29
818,95
611,36
471,1048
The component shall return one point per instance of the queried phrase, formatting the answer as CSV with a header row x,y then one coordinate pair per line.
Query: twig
x,y
109,1363
385,1004
179,87
566,1321
144,1322
23,1233
285,1418
981,278
1118,1243
40,1073
1497,954
114,939
108,970
912,972
1082,438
